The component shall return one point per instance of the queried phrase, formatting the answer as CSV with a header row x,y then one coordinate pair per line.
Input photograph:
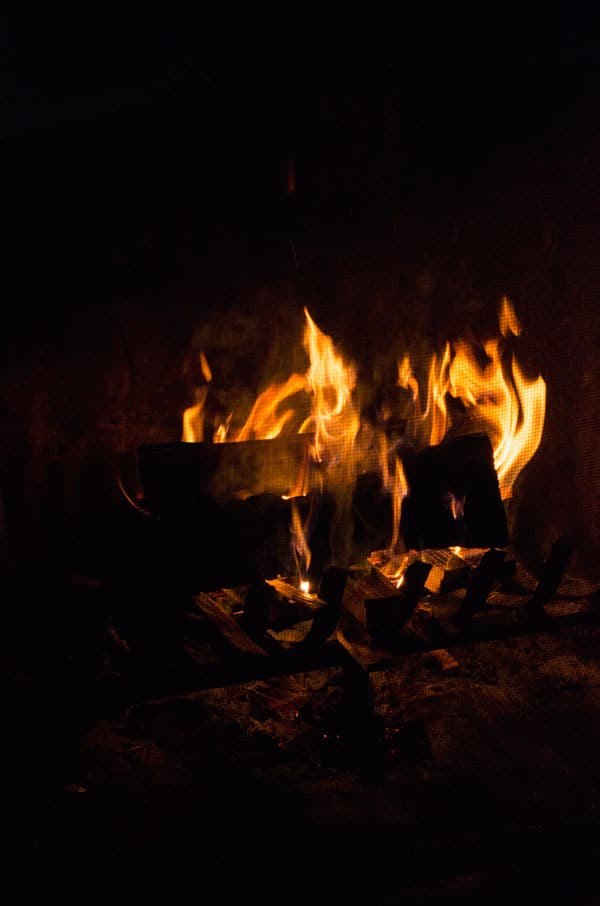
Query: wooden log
x,y
368,585
453,496
450,568
177,477
258,604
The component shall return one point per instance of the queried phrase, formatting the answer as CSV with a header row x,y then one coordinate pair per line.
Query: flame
x,y
407,379
335,422
193,420
264,423
299,543
221,433
507,319
496,396
193,417
334,418
507,405
397,487
205,368
435,417
501,401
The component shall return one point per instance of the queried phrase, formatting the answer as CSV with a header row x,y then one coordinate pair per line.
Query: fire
x,y
506,404
429,427
334,418
264,422
495,396
394,481
299,543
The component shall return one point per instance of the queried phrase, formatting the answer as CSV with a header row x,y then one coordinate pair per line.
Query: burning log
x,y
225,504
177,477
453,496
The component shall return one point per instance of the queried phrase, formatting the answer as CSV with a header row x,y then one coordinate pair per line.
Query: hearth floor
x,y
475,782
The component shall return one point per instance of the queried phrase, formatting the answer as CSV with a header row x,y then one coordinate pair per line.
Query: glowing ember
x,y
305,587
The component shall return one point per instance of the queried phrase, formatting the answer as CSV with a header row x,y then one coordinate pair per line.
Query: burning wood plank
x,y
179,476
450,567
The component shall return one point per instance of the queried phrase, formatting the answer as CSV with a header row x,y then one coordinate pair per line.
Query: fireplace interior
x,y
280,620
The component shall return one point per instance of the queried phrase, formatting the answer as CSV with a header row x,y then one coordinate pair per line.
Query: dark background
x,y
121,133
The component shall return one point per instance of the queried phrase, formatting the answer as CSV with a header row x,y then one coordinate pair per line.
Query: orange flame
x,y
435,417
299,542
334,418
399,491
264,423
193,417
488,380
496,395
407,379
509,406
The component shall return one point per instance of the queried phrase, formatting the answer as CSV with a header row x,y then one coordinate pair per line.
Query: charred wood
x,y
453,496
181,477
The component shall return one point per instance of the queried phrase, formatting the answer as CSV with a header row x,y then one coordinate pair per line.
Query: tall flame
x,y
509,406
302,551
334,419
399,490
193,417
492,387
335,422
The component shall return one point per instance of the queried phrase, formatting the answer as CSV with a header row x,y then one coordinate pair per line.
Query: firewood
x,y
453,496
181,476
